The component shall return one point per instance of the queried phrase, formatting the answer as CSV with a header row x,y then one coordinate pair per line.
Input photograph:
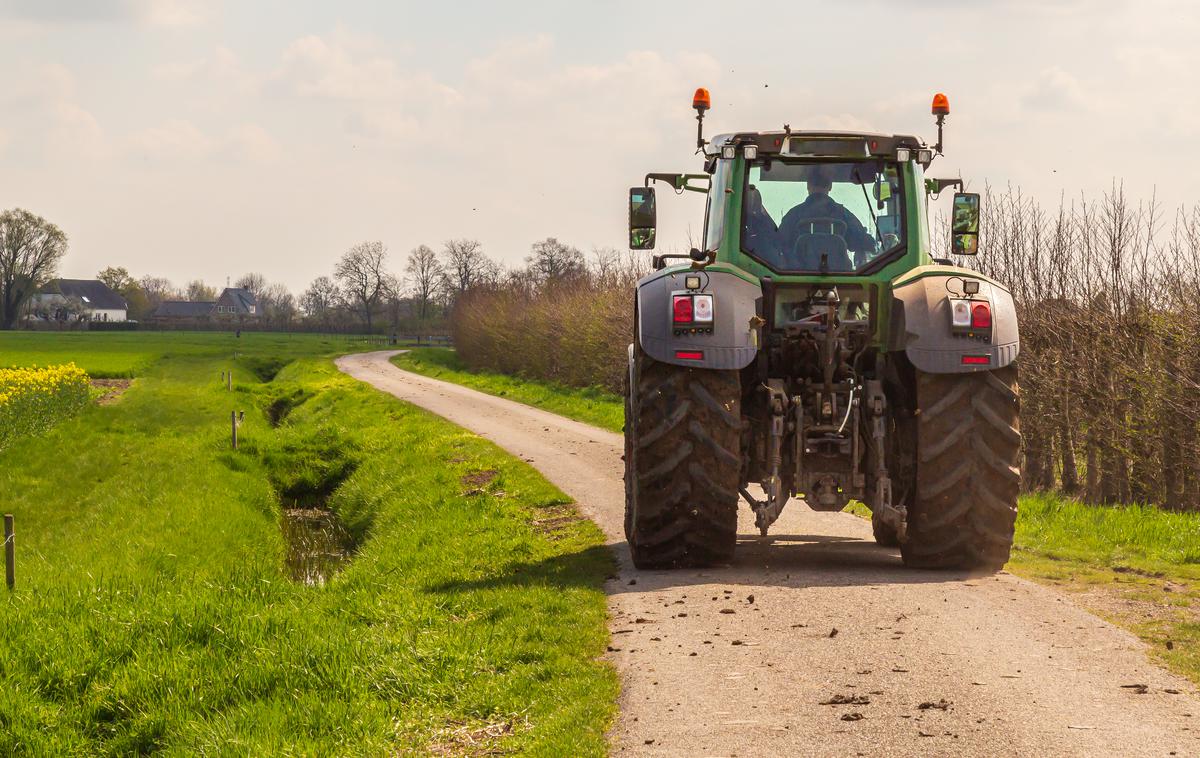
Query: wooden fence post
x,y
233,427
229,380
10,552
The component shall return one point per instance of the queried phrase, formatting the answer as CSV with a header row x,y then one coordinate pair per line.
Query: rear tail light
x,y
681,309
690,355
981,316
702,308
976,360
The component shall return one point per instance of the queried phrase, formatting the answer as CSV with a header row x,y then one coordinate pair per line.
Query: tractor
x,y
815,347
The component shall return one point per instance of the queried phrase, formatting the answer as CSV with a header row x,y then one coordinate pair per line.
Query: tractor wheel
x,y
967,476
884,534
682,464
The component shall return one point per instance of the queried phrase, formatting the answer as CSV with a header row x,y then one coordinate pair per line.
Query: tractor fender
x,y
920,322
733,342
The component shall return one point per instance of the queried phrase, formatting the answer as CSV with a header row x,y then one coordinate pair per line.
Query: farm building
x,y
234,303
78,300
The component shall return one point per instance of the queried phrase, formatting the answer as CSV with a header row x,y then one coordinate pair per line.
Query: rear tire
x,y
682,464
968,478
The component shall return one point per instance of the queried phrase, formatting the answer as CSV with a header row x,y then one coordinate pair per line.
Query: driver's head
x,y
819,181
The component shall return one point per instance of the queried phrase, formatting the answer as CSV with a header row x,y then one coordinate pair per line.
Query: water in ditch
x,y
318,546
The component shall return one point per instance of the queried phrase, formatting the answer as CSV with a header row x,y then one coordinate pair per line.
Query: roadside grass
x,y
593,406
153,613
1133,538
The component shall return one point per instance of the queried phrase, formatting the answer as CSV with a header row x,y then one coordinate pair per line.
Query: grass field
x,y
153,610
1137,566
592,406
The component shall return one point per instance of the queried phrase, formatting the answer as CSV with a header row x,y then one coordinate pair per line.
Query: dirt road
x,y
740,660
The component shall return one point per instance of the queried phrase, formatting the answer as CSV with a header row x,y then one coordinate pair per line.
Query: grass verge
x,y
591,406
153,611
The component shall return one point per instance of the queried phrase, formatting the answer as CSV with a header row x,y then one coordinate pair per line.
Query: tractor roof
x,y
823,144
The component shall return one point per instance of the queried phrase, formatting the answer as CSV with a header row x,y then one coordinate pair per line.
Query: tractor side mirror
x,y
643,218
964,228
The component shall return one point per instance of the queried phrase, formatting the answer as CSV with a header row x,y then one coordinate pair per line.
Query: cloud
x,y
179,139
223,65
341,67
41,106
1056,90
150,13
174,139
251,143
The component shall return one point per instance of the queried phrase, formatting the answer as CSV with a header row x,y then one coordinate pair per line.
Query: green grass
x,y
591,406
153,613
1137,537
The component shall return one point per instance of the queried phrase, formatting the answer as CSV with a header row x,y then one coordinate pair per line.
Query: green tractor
x,y
814,347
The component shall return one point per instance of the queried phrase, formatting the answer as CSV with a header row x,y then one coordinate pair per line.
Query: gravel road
x,y
753,659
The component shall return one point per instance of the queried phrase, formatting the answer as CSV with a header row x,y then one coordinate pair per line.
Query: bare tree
x,y
466,265
551,260
199,292
321,300
157,289
394,299
30,249
424,272
362,277
253,283
276,304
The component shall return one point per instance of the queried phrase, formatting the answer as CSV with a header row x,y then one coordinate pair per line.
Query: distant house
x,y
78,300
182,309
234,303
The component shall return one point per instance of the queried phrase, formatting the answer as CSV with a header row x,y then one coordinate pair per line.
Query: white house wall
x,y
112,314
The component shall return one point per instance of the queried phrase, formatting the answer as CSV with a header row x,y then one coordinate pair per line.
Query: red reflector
x,y
682,309
981,316
976,360
690,355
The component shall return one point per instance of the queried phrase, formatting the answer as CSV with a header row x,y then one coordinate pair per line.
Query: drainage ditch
x,y
318,546
305,473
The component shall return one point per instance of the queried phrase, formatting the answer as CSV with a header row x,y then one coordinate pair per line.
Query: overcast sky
x,y
208,139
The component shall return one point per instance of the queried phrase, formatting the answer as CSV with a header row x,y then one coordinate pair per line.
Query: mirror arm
x,y
934,187
659,261
680,182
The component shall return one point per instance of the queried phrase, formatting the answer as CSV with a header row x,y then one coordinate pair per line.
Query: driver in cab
x,y
819,233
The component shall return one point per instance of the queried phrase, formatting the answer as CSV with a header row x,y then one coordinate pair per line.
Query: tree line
x,y
1107,293
362,291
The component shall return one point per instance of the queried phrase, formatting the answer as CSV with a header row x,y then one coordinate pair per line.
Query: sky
x,y
208,139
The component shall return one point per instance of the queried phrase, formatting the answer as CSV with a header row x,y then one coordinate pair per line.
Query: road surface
x,y
739,661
